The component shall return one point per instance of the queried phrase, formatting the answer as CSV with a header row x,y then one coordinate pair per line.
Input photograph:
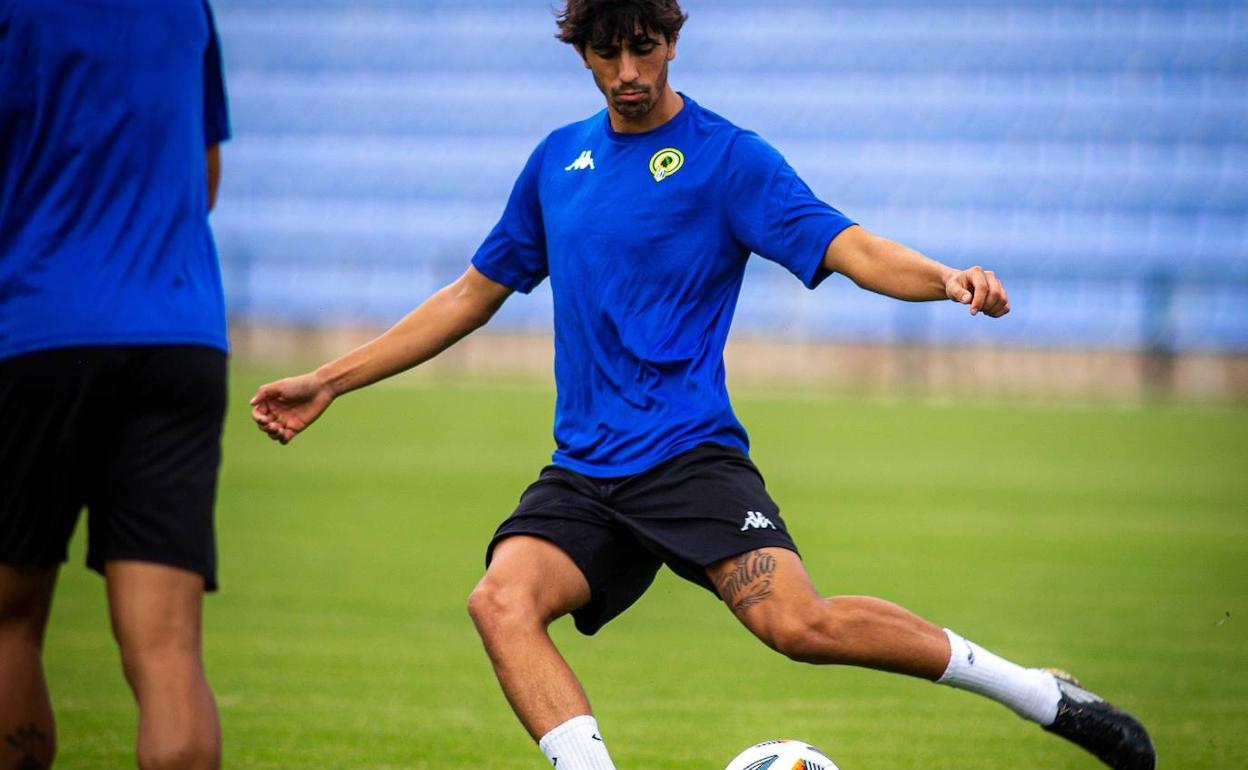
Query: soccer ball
x,y
781,755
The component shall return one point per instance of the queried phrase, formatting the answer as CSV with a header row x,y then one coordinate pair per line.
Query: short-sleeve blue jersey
x,y
645,238
105,112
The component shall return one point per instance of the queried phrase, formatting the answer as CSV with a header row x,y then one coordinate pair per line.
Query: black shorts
x,y
131,433
689,512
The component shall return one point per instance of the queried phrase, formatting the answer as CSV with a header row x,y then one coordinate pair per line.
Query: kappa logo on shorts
x,y
756,520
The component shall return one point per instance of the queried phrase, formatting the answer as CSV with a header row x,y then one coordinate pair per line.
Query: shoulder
x,y
578,131
752,161
573,134
711,122
741,145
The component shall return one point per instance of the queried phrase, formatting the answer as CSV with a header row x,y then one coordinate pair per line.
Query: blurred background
x,y
1093,152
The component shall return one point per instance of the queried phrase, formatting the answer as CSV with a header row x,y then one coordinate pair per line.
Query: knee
x,y
499,608
178,723
184,750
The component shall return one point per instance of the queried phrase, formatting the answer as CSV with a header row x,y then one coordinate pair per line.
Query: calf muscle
x,y
771,594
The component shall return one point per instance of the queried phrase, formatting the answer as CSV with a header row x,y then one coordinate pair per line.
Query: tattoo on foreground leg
x,y
749,582
26,739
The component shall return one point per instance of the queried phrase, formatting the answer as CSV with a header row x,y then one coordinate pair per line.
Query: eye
x,y
643,46
607,53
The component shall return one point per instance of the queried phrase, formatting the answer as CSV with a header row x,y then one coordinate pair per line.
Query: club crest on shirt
x,y
666,162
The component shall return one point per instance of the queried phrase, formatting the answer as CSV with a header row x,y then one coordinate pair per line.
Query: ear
x,y
580,49
671,47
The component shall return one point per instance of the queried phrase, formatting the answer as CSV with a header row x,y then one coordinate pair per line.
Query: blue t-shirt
x,y
105,112
645,239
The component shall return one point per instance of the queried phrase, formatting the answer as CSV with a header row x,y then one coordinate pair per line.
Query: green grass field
x,y
1112,542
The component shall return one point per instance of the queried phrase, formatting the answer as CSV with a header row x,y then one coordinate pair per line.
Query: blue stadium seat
x,y
1094,151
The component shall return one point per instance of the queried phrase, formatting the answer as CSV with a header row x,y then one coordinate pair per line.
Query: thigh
x,y
26,597
763,586
701,508
542,572
570,512
49,407
154,495
769,591
155,609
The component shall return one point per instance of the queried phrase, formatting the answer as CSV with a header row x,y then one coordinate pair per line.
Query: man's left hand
x,y
980,289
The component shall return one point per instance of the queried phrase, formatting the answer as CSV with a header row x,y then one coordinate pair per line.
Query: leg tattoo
x,y
27,739
749,582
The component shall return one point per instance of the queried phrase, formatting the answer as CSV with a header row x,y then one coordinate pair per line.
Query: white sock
x,y
1029,692
576,745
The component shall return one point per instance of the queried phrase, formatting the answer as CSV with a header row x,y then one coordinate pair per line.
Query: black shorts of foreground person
x,y
113,352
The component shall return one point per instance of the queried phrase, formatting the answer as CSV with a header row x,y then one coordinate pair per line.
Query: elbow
x,y
474,299
478,317
474,310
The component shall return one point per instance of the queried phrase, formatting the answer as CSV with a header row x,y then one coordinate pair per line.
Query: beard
x,y
635,110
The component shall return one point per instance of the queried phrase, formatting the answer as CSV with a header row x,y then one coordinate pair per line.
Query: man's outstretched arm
x,y
284,408
887,267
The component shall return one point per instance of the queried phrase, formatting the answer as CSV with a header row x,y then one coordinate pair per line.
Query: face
x,y
632,74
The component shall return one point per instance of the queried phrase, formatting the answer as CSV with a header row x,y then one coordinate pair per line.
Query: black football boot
x,y
1111,734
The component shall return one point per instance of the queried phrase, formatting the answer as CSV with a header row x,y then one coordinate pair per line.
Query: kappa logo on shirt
x,y
586,161
666,162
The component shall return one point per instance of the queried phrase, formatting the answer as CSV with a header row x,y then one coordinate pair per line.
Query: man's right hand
x,y
285,408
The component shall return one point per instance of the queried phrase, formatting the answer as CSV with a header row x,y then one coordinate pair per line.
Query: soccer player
x,y
642,217
112,351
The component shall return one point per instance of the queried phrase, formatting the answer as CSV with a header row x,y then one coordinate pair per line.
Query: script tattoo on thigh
x,y
749,582
28,739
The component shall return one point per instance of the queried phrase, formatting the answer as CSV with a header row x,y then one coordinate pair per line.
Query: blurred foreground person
x,y
643,217
112,351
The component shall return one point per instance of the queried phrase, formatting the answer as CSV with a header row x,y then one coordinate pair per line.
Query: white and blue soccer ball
x,y
781,755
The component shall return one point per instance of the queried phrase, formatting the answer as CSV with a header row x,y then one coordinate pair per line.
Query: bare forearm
x,y
887,267
441,321
899,271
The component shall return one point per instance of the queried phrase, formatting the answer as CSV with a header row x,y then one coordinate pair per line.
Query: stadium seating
x,y
1095,152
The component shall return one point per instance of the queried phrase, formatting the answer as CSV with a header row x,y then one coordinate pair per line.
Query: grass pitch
x,y
1112,542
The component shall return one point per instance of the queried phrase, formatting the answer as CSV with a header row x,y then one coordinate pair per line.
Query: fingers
x,y
997,302
265,413
271,424
978,280
981,290
279,432
958,288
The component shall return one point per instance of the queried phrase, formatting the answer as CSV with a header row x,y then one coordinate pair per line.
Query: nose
x,y
628,67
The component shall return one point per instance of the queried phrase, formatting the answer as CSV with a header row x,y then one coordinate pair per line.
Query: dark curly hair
x,y
602,23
